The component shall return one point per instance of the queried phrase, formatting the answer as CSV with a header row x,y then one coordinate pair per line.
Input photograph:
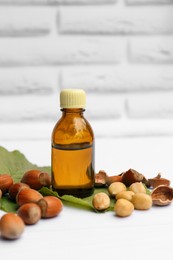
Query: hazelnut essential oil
x,y
72,162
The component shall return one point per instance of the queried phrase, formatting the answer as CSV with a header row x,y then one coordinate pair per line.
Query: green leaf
x,y
85,203
16,164
8,205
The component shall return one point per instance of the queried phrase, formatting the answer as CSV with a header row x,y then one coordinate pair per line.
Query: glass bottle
x,y
72,161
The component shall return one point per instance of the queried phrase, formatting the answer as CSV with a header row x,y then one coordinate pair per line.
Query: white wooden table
x,y
81,234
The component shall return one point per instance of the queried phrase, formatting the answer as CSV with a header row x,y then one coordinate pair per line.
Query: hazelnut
x,y
116,187
15,188
36,179
5,182
27,195
142,201
101,201
137,187
127,194
11,226
30,213
123,208
50,206
162,195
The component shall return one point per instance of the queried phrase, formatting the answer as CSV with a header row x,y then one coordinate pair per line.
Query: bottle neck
x,y
75,111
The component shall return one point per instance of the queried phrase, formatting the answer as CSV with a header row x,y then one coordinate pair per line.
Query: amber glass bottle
x,y
72,159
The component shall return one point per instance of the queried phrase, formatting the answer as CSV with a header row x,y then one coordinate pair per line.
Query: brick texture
x,y
31,81
28,108
55,2
46,108
114,21
61,51
24,22
157,50
119,51
148,2
101,106
153,105
118,80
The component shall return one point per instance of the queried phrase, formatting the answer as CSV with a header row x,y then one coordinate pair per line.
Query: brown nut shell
x,y
102,179
131,176
158,180
115,178
28,195
15,188
5,182
50,206
36,179
11,226
162,195
30,213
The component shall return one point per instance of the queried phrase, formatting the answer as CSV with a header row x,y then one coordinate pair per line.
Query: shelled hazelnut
x,y
123,208
142,201
125,195
137,187
116,187
101,201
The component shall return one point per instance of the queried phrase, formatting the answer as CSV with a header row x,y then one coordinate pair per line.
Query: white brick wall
x,y
55,2
158,50
24,21
108,20
147,2
119,51
60,51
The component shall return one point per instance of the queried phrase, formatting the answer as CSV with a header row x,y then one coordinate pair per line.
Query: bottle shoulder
x,y
72,130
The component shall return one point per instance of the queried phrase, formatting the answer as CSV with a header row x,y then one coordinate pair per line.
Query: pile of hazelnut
x,y
32,206
127,188
130,193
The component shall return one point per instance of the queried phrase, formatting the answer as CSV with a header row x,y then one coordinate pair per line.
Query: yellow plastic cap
x,y
72,98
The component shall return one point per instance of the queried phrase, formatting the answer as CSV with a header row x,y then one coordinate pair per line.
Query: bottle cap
x,y
72,98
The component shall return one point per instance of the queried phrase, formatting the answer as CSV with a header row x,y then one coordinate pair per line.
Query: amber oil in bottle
x,y
72,161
